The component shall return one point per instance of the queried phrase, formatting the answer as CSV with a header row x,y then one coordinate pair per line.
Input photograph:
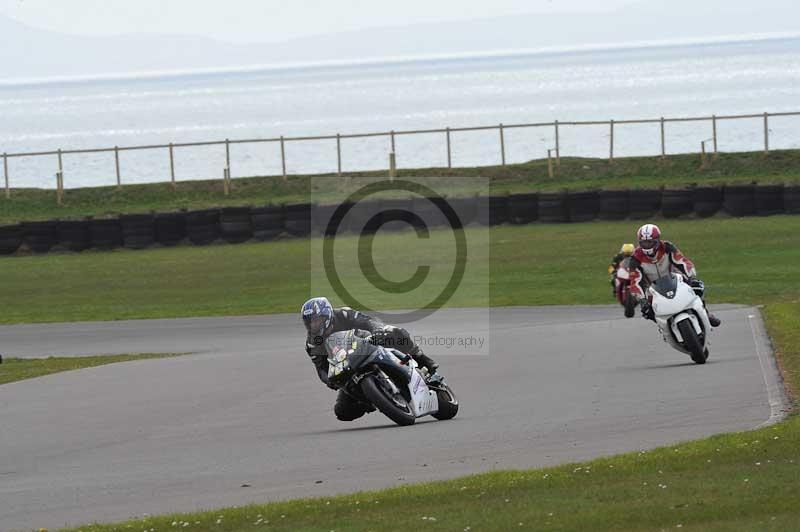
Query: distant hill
x,y
32,53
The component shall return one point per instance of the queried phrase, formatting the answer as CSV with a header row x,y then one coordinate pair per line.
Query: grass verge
x,y
18,369
573,172
747,260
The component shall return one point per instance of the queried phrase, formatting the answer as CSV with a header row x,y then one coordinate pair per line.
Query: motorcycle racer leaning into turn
x,y
654,258
321,320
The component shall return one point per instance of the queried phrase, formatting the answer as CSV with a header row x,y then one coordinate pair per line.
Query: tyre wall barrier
x,y
170,228
298,219
466,210
739,200
583,206
358,216
10,238
643,203
428,209
553,207
614,204
105,233
677,202
235,225
769,199
791,199
138,230
707,200
39,237
523,208
267,221
73,234
400,204
202,227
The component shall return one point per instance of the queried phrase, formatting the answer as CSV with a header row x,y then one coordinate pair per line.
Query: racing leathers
x,y
347,407
667,259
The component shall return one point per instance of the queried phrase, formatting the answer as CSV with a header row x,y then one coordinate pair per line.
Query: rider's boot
x,y
713,320
424,360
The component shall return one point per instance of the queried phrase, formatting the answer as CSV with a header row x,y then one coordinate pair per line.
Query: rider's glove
x,y
332,386
698,286
647,310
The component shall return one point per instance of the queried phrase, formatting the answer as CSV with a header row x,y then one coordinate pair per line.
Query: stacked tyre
x,y
523,208
677,202
644,203
297,219
769,200
583,206
138,230
202,227
614,204
235,225
707,200
105,233
791,199
10,239
40,236
170,228
740,200
553,207
73,234
267,222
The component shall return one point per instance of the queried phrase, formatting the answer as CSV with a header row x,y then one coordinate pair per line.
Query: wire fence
x,y
448,134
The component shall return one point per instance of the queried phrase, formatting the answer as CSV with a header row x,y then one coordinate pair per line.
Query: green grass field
x,y
639,172
18,369
748,481
747,260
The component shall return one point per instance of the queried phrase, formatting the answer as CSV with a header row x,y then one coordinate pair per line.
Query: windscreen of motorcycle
x,y
667,286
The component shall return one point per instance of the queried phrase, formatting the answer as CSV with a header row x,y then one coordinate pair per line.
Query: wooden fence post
x,y
226,180
5,174
283,157
392,166
611,143
558,146
714,132
172,165
449,158
116,165
663,141
391,135
339,154
766,133
549,164
228,156
502,146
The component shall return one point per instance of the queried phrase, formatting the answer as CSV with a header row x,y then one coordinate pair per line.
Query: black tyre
x,y
769,200
298,219
448,403
268,222
10,239
170,228
677,202
391,407
138,230
105,233
614,204
692,342
644,203
583,206
740,200
466,210
791,199
553,207
707,200
235,225
202,227
630,304
493,210
40,236
523,208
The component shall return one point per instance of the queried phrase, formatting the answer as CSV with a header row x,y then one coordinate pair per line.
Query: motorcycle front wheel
x,y
448,404
692,342
395,408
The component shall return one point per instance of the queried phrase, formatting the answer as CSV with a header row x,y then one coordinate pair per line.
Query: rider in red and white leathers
x,y
654,258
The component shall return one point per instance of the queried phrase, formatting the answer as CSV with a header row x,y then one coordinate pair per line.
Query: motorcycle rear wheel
x,y
376,395
692,342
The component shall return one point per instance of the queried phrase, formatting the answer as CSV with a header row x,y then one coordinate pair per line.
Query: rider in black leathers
x,y
322,320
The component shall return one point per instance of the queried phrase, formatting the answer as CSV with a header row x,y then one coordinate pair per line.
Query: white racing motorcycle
x,y
681,316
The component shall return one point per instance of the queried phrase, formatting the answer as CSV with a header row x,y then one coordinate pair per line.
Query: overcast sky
x,y
268,20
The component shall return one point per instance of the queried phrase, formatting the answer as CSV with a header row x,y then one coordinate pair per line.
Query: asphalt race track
x,y
245,419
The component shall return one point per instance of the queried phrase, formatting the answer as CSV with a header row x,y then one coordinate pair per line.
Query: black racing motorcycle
x,y
387,379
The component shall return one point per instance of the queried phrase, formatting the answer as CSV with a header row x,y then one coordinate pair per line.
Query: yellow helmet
x,y
627,249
